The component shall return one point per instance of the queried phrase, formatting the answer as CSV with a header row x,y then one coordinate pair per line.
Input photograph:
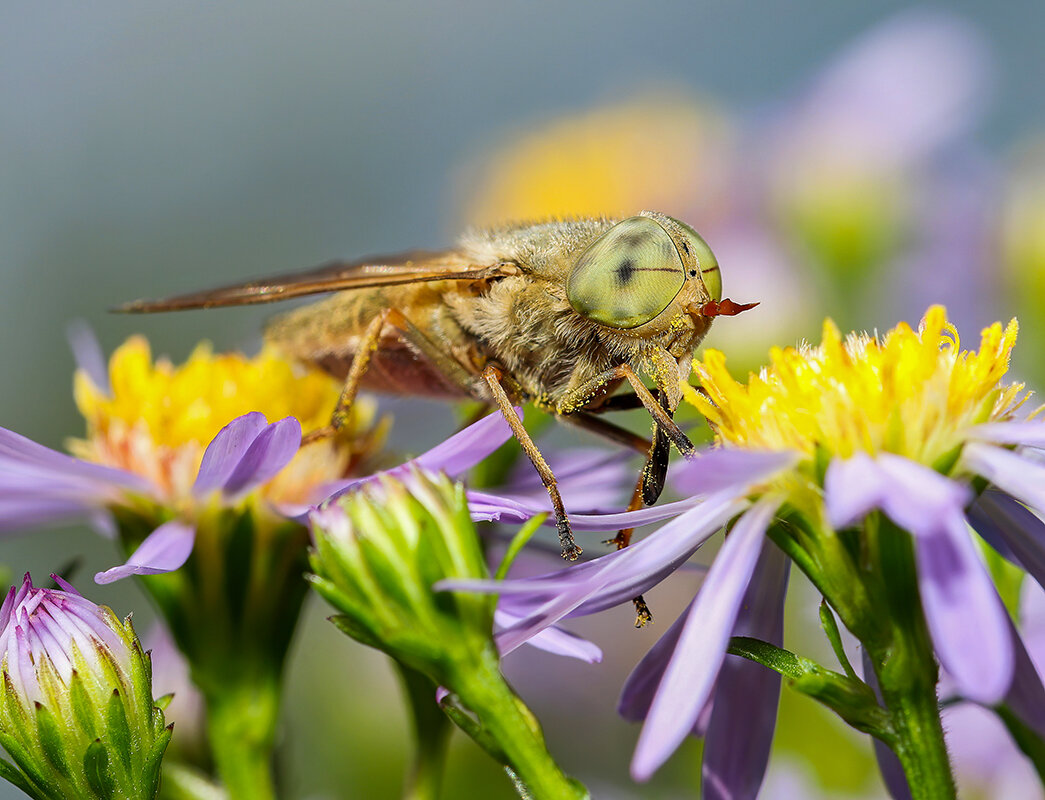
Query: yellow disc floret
x,y
911,392
159,417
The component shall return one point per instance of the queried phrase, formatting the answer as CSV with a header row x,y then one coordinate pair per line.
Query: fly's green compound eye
x,y
706,261
627,276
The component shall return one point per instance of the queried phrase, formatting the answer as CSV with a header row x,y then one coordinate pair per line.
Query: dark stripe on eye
x,y
625,271
710,269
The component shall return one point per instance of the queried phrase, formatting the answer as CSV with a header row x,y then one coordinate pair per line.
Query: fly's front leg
x,y
394,319
493,377
575,400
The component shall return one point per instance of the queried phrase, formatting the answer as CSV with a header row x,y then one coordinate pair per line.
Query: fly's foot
x,y
337,422
622,539
643,616
326,432
570,549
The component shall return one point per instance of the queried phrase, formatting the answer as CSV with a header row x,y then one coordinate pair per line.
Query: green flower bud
x,y
76,709
379,550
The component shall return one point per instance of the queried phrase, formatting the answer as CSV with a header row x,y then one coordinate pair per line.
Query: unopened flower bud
x,y
76,709
378,553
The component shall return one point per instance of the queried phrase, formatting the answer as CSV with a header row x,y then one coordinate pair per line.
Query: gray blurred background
x,y
154,148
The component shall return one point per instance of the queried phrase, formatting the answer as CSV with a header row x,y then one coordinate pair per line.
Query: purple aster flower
x,y
77,716
822,441
41,486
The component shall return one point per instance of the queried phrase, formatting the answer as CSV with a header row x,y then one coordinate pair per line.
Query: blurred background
x,y
853,160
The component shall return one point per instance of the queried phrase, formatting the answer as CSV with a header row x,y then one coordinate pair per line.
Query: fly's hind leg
x,y
647,490
394,319
493,377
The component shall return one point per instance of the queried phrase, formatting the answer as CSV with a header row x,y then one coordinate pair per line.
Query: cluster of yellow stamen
x,y
159,418
911,392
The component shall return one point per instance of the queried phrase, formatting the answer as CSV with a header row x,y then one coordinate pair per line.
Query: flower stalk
x,y
379,551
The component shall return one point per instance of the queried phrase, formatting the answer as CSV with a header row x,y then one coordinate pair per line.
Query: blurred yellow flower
x,y
660,150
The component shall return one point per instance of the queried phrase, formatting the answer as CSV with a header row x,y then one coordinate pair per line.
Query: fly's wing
x,y
412,267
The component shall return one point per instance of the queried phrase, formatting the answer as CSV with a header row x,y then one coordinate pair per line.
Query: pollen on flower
x,y
160,417
910,392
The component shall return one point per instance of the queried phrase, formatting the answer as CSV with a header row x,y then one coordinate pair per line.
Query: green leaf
x,y
853,700
51,740
518,542
96,768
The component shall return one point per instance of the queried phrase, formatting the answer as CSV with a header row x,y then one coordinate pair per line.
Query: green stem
x,y
503,716
241,723
907,673
431,736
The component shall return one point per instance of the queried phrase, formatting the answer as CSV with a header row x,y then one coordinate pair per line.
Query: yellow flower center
x,y
160,417
910,392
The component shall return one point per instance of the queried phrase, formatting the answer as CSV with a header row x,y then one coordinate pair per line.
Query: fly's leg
x,y
493,377
647,489
576,399
394,319
585,420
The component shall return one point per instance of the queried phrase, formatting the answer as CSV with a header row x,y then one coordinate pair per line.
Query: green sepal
x,y
467,722
50,737
154,758
118,732
350,627
12,775
26,761
162,703
83,710
1032,745
853,700
96,769
834,636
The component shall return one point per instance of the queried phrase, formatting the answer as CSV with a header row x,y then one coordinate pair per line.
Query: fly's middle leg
x,y
493,378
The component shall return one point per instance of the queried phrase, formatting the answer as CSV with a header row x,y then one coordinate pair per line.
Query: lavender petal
x,y
743,719
88,354
468,447
460,452
641,685
618,576
720,468
1026,695
853,487
690,675
1018,476
1011,529
19,454
556,641
486,507
270,451
164,550
1030,433
226,450
967,621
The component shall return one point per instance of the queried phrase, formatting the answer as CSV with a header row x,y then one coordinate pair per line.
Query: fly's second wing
x,y
375,271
